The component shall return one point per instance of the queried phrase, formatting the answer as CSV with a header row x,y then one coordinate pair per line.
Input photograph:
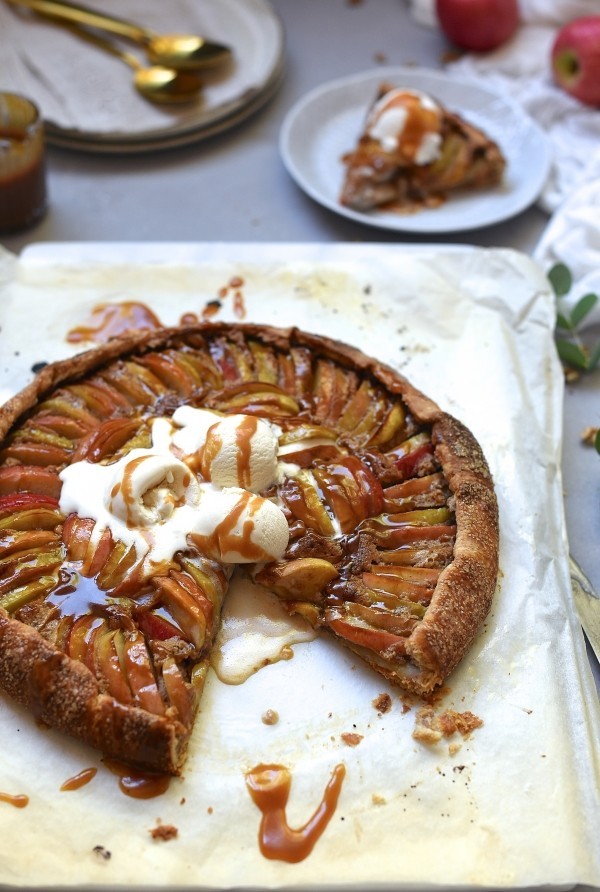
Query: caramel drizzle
x,y
243,437
269,786
138,784
18,800
109,320
225,539
78,780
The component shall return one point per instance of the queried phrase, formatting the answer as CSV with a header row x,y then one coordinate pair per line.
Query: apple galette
x,y
135,477
413,151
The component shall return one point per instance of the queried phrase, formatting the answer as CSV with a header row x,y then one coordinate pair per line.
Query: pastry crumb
x,y
378,799
588,435
382,703
430,726
164,832
350,738
270,717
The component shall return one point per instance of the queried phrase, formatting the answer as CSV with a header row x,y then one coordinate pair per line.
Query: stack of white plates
x,y
87,97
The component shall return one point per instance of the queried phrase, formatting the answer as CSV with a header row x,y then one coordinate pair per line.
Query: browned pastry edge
x,y
64,693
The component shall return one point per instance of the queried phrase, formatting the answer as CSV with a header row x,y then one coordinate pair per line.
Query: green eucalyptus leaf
x,y
561,279
597,440
564,322
583,306
571,354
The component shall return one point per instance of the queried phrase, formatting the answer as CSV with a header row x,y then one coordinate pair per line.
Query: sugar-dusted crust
x,y
64,693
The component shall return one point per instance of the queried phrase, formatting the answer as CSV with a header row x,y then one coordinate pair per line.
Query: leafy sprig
x,y
573,351
576,356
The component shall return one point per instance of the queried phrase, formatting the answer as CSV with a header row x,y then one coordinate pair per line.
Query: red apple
x,y
576,59
478,25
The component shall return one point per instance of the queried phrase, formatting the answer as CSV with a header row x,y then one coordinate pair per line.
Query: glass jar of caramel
x,y
22,165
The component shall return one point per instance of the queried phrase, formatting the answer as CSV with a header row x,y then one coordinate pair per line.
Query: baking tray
x,y
512,805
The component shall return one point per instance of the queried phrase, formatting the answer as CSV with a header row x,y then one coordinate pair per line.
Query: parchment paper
x,y
517,803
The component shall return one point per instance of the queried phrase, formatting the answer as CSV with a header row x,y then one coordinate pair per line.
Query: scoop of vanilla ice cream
x,y
239,527
192,427
410,121
148,489
241,450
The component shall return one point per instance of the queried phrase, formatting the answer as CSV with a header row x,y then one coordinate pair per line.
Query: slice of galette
x,y
413,151
135,477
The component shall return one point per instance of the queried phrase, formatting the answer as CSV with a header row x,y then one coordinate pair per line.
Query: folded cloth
x,y
572,237
521,69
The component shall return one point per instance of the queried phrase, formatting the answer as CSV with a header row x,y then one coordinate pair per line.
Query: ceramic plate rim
x,y
502,203
209,121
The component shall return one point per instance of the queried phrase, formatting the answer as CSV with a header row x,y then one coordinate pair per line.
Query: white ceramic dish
x,y
326,123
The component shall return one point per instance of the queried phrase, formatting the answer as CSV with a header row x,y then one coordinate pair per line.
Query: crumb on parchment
x,y
164,832
430,726
382,703
588,435
350,738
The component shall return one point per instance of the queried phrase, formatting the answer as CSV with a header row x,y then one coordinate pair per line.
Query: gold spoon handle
x,y
81,15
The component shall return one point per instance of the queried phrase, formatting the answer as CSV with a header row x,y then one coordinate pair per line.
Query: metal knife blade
x,y
587,604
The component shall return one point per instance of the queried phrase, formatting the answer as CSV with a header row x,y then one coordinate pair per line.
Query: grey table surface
x,y
233,187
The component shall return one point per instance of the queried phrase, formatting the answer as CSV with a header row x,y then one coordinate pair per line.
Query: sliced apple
x,y
21,571
266,367
436,553
178,691
174,375
106,439
31,453
109,656
417,492
393,426
302,499
31,479
140,674
231,360
360,633
304,578
303,371
200,368
187,609
18,597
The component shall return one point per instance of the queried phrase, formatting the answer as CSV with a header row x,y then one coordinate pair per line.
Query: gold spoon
x,y
156,82
180,51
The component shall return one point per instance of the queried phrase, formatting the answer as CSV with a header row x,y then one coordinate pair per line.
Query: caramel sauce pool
x,y
108,320
138,784
79,780
269,787
19,800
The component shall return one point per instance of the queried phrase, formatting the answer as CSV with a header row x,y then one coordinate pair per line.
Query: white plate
x,y
90,102
327,122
